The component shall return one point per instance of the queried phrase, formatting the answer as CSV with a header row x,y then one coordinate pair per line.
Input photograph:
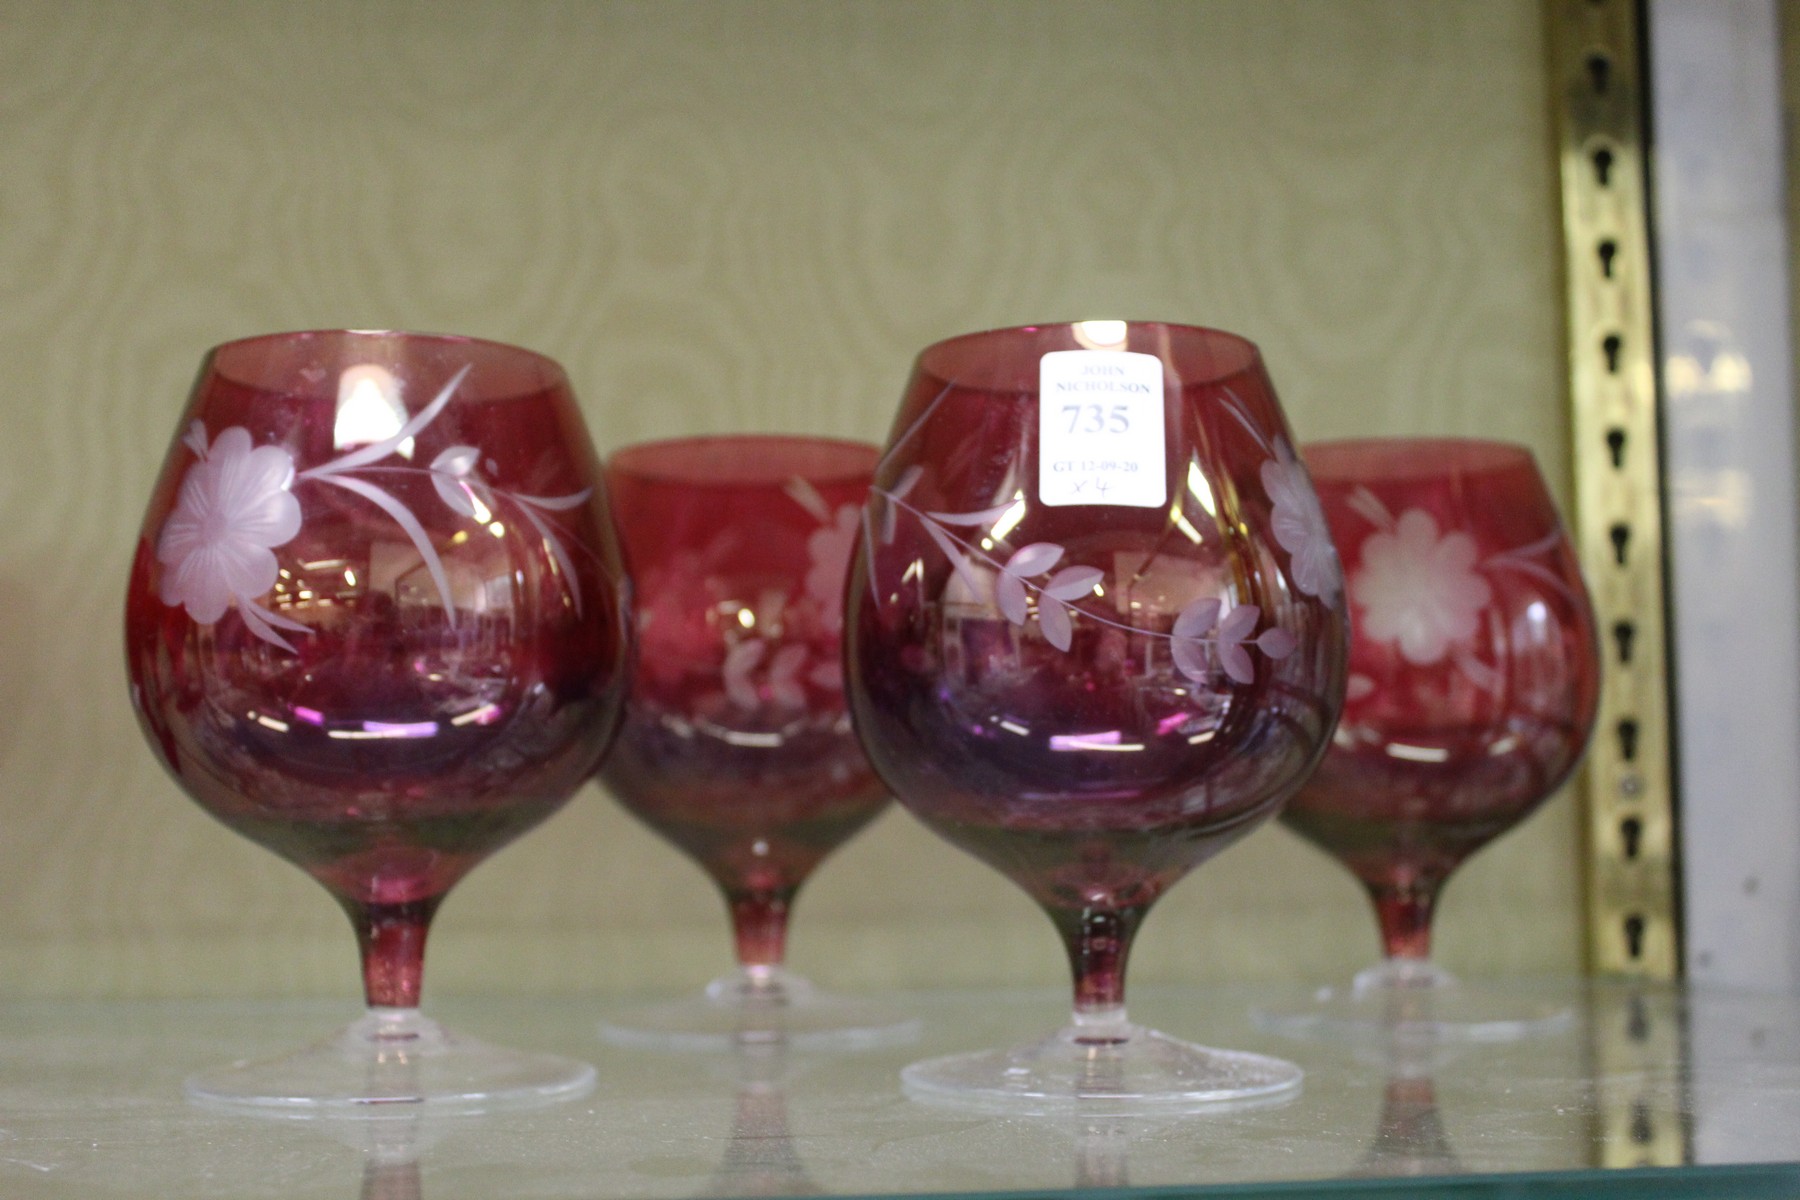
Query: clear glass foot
x,y
761,1006
1103,1069
393,1061
1405,998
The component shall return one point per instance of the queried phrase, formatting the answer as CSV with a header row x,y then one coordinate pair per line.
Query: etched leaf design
x,y
1198,618
1189,658
1034,559
1369,506
802,492
740,660
458,461
1277,642
890,512
784,677
1009,588
263,623
958,561
1053,620
1239,622
1479,673
404,518
564,565
1204,638
449,470
1236,661
557,503
1191,624
1073,583
1230,642
1009,594
869,536
904,485
986,516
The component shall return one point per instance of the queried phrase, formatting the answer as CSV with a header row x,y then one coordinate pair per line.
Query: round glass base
x,y
756,1006
1415,999
1103,1070
393,1061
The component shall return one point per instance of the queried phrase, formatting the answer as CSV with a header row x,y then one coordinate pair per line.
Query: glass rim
x,y
386,334
546,365
649,460
1236,343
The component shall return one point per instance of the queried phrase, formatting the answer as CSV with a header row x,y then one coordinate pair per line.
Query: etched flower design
x,y
1419,587
781,680
828,551
1204,633
1298,523
235,506
237,503
796,636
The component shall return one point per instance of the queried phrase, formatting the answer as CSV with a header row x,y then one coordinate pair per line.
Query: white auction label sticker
x,y
1100,428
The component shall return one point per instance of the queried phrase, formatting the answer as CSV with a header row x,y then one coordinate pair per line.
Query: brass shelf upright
x,y
1600,100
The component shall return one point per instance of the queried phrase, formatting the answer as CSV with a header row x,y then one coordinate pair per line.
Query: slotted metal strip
x,y
1618,482
1631,895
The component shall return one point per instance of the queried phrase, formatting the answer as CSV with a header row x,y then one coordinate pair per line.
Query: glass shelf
x,y
1703,1087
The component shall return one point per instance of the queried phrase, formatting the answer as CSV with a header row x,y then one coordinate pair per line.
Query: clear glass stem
x,y
1109,1026
1402,974
1098,943
1404,914
759,986
391,938
392,1041
759,921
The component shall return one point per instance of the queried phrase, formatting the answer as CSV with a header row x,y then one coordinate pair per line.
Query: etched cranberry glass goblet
x,y
1472,687
736,746
1097,637
377,623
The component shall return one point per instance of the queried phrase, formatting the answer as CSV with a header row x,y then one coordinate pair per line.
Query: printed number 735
x,y
1097,418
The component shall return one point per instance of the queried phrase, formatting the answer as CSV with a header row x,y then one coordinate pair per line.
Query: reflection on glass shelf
x,y
1410,1138
760,1155
1704,1088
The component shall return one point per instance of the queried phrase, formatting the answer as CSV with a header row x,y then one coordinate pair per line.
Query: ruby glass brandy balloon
x,y
1472,687
376,622
736,746
1096,638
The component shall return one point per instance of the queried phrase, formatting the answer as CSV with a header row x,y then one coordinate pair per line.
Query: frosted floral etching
x,y
237,504
1204,626
1033,582
1425,589
217,547
828,551
1296,518
1299,525
783,642
1418,587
